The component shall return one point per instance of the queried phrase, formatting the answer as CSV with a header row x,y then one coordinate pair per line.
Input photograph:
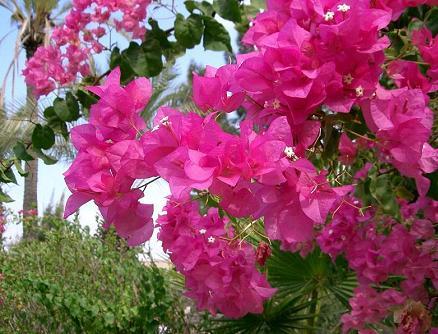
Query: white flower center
x,y
330,232
359,91
202,231
165,121
348,79
229,94
329,16
343,8
276,104
211,240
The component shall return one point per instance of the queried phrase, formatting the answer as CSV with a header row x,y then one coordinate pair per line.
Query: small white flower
x,y
290,153
348,79
202,231
211,240
165,121
276,104
329,16
343,8
229,94
330,232
266,105
359,91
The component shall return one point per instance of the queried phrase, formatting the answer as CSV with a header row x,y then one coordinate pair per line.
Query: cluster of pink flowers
x,y
219,269
397,7
74,42
110,159
403,124
313,59
408,250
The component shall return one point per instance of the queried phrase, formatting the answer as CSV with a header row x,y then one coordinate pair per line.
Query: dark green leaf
x,y
433,190
205,7
21,152
216,37
145,59
43,137
188,32
48,160
73,107
228,9
85,98
67,110
61,109
115,58
432,22
159,34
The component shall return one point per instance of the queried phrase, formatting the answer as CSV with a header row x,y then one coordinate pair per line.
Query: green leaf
x,y
380,190
115,58
7,176
144,60
61,109
432,22
73,107
48,160
67,110
43,137
20,170
216,37
86,99
160,35
188,32
21,152
109,318
5,198
205,7
228,9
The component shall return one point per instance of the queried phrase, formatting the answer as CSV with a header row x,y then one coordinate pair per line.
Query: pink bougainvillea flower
x,y
403,124
216,90
407,74
347,150
117,111
219,275
131,219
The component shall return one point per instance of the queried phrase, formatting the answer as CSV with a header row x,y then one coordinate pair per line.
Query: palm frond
x,y
279,316
160,84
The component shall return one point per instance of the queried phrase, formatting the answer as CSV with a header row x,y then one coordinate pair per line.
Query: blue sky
x,y
51,182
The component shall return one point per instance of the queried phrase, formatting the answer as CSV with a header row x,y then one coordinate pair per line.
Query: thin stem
x,y
144,186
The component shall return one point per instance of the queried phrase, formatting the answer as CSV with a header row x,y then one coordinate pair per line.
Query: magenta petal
x,y
74,202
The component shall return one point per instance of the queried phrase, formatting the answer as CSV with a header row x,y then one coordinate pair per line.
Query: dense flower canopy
x,y
314,61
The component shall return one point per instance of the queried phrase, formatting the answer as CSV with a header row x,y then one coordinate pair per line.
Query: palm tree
x,y
33,20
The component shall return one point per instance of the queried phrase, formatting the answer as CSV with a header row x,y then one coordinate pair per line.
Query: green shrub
x,y
67,281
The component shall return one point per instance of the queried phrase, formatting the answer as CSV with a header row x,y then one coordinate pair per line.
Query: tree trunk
x,y
30,198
